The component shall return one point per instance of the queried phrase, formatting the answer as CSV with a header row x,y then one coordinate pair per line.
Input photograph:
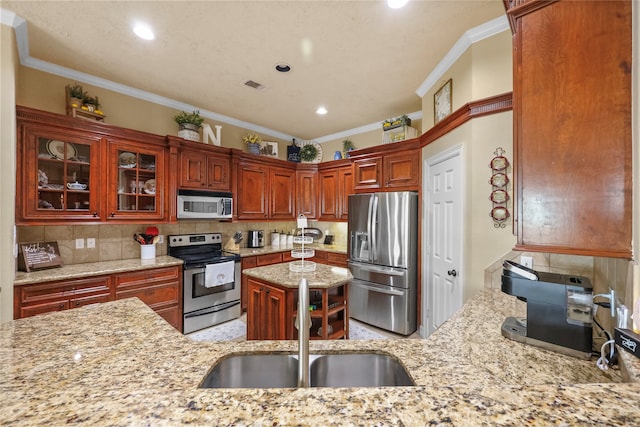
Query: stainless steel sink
x,y
358,370
268,370
254,371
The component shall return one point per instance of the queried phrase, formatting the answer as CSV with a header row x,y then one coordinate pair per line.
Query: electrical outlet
x,y
160,238
91,243
79,243
527,261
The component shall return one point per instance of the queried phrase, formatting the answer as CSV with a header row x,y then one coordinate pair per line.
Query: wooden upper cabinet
x,y
204,170
307,196
367,173
572,127
253,190
265,190
401,171
391,167
136,181
335,183
282,192
73,170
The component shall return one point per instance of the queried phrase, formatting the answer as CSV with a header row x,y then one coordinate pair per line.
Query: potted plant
x,y
76,95
347,145
189,125
91,103
389,124
253,143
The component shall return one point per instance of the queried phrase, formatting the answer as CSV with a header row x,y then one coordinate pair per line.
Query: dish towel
x,y
218,274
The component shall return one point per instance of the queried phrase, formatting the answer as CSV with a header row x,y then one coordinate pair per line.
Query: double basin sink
x,y
269,370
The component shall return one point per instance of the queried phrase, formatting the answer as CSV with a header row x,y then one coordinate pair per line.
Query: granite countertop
x,y
89,269
245,252
120,364
324,276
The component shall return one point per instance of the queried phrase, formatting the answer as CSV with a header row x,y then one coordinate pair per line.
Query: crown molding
x,y
417,115
481,32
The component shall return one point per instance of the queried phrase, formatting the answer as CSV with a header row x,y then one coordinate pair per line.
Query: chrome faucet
x,y
303,323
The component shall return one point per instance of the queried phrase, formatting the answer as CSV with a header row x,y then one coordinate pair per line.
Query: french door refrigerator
x,y
383,246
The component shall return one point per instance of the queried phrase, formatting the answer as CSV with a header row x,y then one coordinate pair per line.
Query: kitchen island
x,y
119,363
273,298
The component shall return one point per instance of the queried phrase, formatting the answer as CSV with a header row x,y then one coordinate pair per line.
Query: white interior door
x,y
442,274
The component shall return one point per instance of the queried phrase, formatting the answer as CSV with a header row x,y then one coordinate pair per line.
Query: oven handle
x,y
221,307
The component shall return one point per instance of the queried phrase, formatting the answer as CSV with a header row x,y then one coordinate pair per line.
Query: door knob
x,y
452,273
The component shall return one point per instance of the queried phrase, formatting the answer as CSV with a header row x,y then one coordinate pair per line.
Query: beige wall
x,y
8,66
474,77
45,91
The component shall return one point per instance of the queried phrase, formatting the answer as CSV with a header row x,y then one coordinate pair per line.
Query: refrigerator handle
x,y
373,221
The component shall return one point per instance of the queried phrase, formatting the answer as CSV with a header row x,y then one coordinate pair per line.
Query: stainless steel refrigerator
x,y
383,246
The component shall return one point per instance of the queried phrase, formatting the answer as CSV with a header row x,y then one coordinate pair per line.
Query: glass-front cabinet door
x,y
60,178
137,178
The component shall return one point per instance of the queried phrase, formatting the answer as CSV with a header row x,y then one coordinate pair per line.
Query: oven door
x,y
198,294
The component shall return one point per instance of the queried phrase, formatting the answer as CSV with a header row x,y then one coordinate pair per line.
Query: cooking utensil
x,y
138,238
155,239
153,231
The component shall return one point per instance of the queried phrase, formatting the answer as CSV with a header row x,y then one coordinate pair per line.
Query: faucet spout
x,y
303,323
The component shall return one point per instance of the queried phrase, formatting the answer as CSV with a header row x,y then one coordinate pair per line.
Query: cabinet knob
x,y
95,214
61,305
112,214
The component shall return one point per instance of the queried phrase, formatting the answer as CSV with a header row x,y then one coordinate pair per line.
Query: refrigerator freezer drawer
x,y
392,309
381,275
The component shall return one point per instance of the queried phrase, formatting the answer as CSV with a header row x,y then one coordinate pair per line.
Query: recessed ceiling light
x,y
144,32
321,110
283,68
396,4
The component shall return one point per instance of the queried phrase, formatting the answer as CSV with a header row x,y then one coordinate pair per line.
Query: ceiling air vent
x,y
253,84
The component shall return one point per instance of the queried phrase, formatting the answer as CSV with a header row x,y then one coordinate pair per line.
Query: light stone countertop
x,y
90,269
120,364
324,276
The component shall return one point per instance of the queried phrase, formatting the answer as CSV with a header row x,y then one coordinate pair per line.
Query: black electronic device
x,y
559,308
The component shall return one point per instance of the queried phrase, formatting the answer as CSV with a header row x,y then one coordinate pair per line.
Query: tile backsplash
x,y
115,242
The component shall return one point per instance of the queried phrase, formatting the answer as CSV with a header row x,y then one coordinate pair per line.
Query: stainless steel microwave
x,y
198,204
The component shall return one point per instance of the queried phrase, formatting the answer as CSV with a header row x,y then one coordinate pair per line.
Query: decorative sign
x,y
208,134
39,255
442,101
293,153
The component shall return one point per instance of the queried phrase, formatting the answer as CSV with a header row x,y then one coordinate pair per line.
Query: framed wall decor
x,y
442,102
269,149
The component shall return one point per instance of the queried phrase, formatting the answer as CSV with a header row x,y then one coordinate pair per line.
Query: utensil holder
x,y
147,251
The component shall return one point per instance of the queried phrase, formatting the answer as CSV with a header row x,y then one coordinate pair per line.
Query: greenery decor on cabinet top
x,y
308,153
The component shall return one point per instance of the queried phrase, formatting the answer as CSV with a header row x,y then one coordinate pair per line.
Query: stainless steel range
x,y
211,280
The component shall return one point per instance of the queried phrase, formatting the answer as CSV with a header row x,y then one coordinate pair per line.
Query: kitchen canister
x,y
275,238
147,251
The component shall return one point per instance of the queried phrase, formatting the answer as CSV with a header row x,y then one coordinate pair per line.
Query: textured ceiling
x,y
360,59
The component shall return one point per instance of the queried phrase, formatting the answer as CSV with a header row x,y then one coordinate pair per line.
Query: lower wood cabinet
x,y
30,300
159,288
271,312
266,311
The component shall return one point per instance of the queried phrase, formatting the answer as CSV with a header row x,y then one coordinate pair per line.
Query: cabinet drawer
x,y
286,257
93,299
269,259
153,295
249,262
46,307
146,277
36,294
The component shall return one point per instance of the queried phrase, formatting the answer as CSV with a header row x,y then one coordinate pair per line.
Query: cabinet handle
x,y
61,305
112,214
77,303
95,214
149,292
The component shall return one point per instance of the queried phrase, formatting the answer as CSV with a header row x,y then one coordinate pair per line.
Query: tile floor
x,y
235,330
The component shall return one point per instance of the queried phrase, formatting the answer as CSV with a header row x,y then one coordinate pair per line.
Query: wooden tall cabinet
x,y
266,312
307,191
572,126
